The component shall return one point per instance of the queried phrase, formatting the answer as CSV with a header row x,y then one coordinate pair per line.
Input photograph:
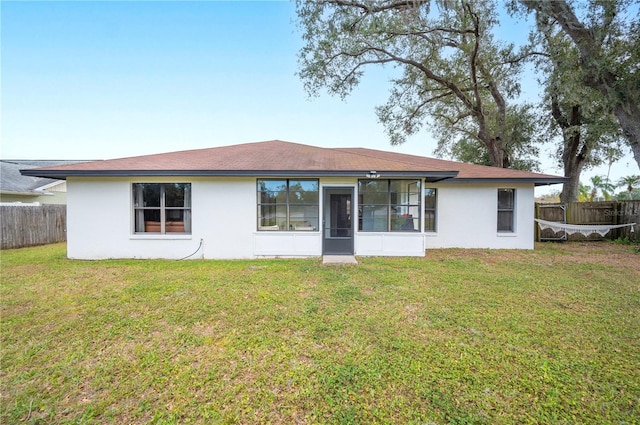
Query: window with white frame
x,y
389,205
430,209
162,207
506,210
288,204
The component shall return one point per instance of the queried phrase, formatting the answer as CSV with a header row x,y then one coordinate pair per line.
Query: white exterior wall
x,y
100,221
467,216
224,217
389,244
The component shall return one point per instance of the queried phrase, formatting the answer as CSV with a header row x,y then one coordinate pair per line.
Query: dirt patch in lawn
x,y
603,253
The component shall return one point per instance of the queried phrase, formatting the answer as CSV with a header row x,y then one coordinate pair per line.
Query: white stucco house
x,y
281,199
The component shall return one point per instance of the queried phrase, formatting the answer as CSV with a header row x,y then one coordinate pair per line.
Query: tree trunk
x,y
495,156
496,151
599,75
573,154
571,189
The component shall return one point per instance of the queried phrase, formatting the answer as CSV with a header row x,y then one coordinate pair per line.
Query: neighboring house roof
x,y
278,158
13,182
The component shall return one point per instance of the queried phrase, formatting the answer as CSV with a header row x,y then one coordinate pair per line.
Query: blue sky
x,y
99,80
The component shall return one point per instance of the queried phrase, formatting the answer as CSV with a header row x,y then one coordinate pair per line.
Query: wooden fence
x,y
32,225
608,212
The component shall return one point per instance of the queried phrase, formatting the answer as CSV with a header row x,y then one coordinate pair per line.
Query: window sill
x,y
395,233
431,234
157,236
507,234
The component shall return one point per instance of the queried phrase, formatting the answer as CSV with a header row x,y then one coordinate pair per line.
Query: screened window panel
x,y
405,218
375,218
430,205
304,217
374,198
405,224
505,221
288,204
405,186
429,221
405,210
430,198
390,205
272,215
405,191
505,199
506,209
373,186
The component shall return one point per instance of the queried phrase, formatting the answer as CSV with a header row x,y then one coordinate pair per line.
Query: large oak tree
x,y
606,34
588,130
453,73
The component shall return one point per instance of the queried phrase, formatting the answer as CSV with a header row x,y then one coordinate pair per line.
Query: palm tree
x,y
630,182
601,183
584,192
612,154
596,181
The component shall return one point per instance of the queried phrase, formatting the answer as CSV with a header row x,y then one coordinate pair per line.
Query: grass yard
x,y
550,336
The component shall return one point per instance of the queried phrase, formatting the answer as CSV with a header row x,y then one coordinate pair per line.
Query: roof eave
x,y
537,181
63,174
25,193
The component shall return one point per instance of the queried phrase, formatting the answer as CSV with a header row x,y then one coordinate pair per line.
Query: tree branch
x,y
428,73
370,9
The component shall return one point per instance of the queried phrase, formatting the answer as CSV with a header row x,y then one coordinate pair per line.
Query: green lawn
x,y
461,336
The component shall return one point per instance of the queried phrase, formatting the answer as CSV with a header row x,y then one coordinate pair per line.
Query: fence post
x,y
616,220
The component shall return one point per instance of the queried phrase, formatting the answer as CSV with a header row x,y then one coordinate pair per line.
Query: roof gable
x,y
13,182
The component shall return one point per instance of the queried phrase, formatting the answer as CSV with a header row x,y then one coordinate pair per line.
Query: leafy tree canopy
x,y
578,116
453,73
606,36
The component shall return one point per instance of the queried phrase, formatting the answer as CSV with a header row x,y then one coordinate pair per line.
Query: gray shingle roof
x,y
11,181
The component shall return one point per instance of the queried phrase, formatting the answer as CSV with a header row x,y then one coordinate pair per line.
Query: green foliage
x,y
629,182
601,183
521,126
458,337
580,120
607,189
584,193
605,35
452,73
624,241
625,195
